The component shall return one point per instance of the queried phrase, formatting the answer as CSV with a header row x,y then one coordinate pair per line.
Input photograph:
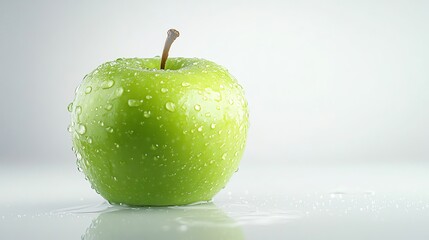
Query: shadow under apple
x,y
204,221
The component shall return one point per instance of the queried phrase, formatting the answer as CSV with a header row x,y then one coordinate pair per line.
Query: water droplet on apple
x,y
116,145
224,156
146,114
81,129
70,107
213,125
88,90
170,106
185,84
78,110
200,129
148,97
78,156
197,107
108,107
164,90
134,102
241,128
119,91
69,129
218,97
89,140
107,84
109,129
101,123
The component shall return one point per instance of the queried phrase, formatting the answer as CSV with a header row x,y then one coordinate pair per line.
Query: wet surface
x,y
261,202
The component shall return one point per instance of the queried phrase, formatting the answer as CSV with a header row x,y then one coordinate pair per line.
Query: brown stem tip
x,y
172,35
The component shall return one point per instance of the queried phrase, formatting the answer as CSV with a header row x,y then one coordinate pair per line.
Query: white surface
x,y
260,202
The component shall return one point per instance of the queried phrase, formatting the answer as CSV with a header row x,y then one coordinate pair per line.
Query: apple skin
x,y
150,137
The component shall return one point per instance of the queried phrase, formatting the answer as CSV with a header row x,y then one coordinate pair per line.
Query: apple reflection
x,y
204,221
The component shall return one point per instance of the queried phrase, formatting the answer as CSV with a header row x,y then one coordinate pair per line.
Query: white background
x,y
327,82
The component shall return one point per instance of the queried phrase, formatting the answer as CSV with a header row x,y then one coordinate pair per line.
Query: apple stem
x,y
172,35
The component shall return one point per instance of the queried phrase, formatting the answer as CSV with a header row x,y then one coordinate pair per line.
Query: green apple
x,y
150,136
